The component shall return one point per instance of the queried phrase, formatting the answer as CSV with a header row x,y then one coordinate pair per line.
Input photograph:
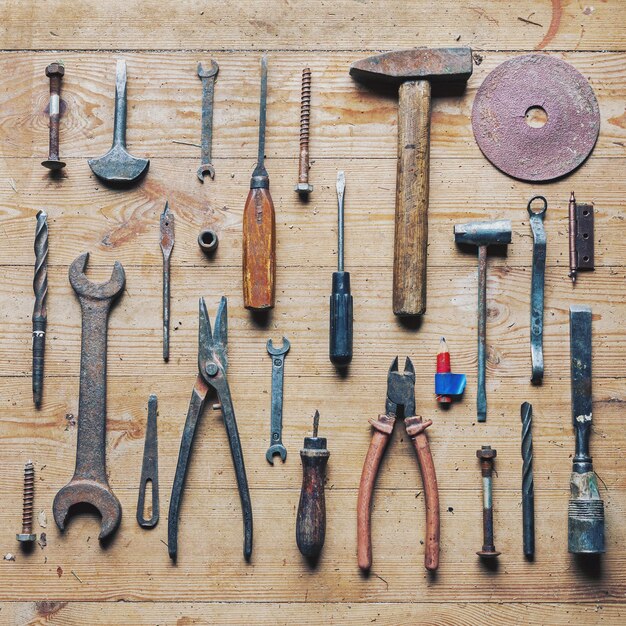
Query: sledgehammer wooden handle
x,y
411,231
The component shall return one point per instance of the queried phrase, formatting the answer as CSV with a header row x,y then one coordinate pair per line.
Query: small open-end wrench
x,y
278,372
89,484
208,89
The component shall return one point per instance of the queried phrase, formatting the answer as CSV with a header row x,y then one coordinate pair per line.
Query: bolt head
x,y
488,554
55,69
486,453
23,538
303,188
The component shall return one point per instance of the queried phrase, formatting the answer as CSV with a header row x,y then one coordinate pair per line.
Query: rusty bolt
x,y
303,187
27,536
486,455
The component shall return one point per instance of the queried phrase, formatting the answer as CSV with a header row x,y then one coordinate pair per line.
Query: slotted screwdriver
x,y
259,224
341,298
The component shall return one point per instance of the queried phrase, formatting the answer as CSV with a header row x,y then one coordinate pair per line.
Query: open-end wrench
x,y
278,371
208,88
89,484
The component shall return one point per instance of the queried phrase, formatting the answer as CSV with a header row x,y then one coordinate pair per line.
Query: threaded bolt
x,y
303,187
27,536
486,456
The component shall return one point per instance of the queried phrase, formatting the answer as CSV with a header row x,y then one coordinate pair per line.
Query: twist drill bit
x,y
40,314
528,485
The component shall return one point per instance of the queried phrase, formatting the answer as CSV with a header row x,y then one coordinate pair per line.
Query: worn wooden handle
x,y
415,428
411,231
259,250
380,438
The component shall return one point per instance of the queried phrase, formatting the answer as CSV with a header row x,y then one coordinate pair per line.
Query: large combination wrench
x,y
90,485
537,288
278,374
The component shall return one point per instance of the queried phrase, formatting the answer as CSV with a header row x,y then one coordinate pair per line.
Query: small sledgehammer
x,y
414,71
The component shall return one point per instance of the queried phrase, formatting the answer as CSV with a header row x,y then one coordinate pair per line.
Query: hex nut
x,y
26,538
303,188
55,69
486,453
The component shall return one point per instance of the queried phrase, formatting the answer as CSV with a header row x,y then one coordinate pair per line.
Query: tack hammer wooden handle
x,y
411,228
259,250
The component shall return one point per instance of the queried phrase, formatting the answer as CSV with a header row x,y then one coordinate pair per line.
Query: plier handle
x,y
212,365
400,394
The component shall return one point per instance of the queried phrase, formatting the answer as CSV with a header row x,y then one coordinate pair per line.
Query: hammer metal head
x,y
437,65
483,233
118,166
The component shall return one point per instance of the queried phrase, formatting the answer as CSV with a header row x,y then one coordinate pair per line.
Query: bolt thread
x,y
40,281
305,107
29,495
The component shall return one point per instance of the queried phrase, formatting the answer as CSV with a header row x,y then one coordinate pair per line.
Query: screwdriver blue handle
x,y
341,320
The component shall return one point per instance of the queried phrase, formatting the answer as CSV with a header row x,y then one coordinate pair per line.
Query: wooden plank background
x,y
72,580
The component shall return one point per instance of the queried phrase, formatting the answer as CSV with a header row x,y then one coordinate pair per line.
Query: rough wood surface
x,y
71,579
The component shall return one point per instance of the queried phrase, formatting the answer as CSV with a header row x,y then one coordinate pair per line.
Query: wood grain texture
x,y
72,579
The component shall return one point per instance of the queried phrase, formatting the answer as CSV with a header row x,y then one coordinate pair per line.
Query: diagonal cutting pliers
x,y
400,399
212,365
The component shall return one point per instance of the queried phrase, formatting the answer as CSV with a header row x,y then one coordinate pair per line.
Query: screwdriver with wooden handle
x,y
259,225
340,344
311,520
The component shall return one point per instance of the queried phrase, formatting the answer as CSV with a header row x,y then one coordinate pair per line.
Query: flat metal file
x,y
537,288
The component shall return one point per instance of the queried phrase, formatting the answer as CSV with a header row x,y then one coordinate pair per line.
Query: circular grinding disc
x,y
524,152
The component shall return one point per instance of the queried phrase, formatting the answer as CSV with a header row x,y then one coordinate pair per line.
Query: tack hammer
x,y
413,70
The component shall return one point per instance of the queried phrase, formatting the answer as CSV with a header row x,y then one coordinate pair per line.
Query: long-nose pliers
x,y
212,364
400,398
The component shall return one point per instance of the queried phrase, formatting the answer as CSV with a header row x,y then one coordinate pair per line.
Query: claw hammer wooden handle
x,y
259,249
411,224
416,430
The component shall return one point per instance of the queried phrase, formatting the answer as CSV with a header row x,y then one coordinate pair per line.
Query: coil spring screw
x,y
27,536
303,187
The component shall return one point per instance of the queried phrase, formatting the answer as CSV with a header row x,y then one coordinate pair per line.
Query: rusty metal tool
x,y
167,244
55,72
303,187
212,366
311,517
90,484
400,399
341,322
537,287
486,455
208,241
118,165
259,225
483,235
581,247
278,375
27,537
585,518
414,71
40,312
512,136
528,483
150,469
207,75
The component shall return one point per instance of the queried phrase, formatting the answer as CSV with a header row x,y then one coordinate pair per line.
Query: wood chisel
x,y
340,345
311,520
259,225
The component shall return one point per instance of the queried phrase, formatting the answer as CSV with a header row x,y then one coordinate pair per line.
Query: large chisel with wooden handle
x,y
414,71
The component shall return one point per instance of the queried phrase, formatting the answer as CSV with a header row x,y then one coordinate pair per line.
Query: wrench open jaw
x,y
90,485
212,366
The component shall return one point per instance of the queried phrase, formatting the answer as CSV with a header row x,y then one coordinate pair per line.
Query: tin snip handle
x,y
537,286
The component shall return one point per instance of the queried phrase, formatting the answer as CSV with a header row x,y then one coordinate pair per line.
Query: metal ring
x,y
208,240
540,213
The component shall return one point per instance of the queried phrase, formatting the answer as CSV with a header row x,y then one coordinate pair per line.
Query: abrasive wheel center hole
x,y
536,117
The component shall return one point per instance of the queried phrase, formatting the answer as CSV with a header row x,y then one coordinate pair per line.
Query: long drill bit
x,y
167,243
40,313
528,484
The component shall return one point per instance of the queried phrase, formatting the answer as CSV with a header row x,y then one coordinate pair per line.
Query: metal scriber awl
x,y
278,374
167,244
90,484
208,89
400,399
537,287
212,366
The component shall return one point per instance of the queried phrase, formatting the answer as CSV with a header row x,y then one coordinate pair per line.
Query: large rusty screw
x,y
486,456
303,187
54,72
27,536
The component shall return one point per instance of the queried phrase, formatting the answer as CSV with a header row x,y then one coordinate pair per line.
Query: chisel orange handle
x,y
259,247
415,429
383,428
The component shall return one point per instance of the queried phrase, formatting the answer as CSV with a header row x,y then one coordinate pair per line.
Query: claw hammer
x,y
414,71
